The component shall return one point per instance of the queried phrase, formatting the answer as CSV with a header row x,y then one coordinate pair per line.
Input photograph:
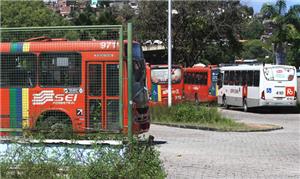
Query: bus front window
x,y
160,75
140,93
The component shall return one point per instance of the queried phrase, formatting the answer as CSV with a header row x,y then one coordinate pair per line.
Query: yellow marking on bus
x,y
26,46
25,108
159,93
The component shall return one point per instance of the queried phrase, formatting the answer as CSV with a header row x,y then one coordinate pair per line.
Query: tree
x,y
252,29
102,15
203,31
28,13
256,49
282,24
294,50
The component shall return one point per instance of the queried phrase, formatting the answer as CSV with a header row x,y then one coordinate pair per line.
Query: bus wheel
x,y
53,123
58,125
225,105
245,106
197,101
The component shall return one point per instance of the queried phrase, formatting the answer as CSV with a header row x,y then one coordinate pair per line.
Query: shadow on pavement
x,y
270,110
159,142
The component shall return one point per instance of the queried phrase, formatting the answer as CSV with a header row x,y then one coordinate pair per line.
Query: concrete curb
x,y
215,129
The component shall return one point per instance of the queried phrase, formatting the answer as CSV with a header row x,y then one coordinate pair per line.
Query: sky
x,y
257,4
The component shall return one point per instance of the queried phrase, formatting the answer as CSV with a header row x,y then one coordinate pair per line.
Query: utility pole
x,y
169,53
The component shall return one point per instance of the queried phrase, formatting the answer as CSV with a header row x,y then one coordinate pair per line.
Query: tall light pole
x,y
169,53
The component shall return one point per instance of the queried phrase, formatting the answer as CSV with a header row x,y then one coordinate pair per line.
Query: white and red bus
x,y
257,85
75,83
200,84
157,83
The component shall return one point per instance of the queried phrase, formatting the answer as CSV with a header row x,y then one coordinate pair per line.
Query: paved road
x,y
191,153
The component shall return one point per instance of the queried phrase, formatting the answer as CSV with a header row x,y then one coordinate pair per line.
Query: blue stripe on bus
x,y
19,108
16,47
154,93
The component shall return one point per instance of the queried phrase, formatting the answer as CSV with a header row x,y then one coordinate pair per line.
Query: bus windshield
x,y
214,75
279,73
137,53
160,75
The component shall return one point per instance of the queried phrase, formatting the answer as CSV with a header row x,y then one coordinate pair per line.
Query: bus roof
x,y
60,46
197,69
165,66
252,67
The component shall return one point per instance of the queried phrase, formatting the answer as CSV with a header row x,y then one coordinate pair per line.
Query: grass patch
x,y
131,159
135,160
201,117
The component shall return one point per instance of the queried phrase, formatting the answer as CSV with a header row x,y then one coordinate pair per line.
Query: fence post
x,y
129,62
121,78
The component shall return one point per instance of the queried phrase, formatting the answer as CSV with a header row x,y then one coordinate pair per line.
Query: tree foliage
x,y
252,29
256,49
28,13
285,25
202,31
101,15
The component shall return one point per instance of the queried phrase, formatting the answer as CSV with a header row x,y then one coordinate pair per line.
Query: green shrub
x,y
135,160
188,113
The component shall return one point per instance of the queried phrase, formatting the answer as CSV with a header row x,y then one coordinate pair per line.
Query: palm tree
x,y
285,26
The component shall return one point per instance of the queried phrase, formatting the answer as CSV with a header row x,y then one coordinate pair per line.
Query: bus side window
x,y
191,75
197,78
231,78
193,79
18,70
237,78
60,69
244,78
190,78
226,77
205,78
186,78
256,78
250,78
220,79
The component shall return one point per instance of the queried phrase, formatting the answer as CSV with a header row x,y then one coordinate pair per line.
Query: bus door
x,y
214,82
102,96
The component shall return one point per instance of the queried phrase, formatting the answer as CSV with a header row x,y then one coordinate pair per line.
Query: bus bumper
x,y
278,103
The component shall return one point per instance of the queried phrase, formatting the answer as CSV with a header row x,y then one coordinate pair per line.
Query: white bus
x,y
257,85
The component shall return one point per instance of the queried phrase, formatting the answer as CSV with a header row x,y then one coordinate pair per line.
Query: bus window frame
x,y
79,70
35,59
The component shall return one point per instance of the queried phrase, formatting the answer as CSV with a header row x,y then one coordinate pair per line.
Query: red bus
x,y
200,84
157,83
75,83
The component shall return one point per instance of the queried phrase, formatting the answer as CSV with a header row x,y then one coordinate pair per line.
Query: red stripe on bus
x,y
4,110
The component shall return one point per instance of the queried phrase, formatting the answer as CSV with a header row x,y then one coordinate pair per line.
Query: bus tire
x,y
197,101
56,124
224,101
245,105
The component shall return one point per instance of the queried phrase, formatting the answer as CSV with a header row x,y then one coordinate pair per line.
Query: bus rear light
x,y
290,77
263,95
209,91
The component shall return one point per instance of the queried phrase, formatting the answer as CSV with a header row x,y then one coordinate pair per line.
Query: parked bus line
x,y
200,84
257,85
157,83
